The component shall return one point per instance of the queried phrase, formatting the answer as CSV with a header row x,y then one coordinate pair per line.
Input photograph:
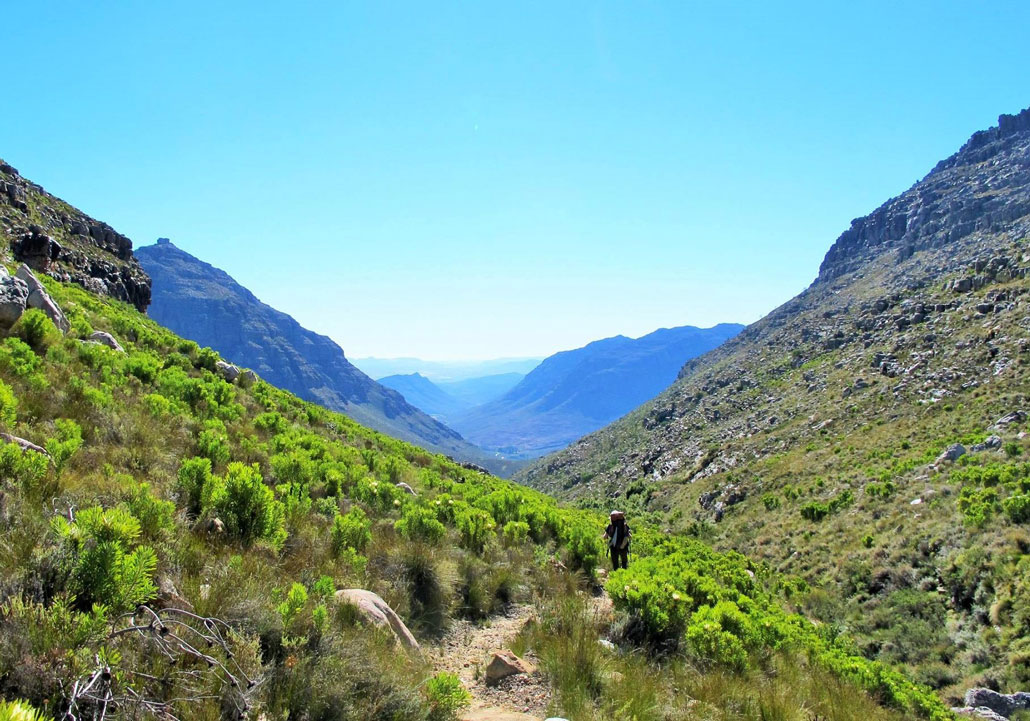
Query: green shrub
x,y
195,484
108,566
213,443
16,357
770,502
585,547
516,533
446,696
248,507
36,329
419,523
19,711
143,366
1017,507
977,505
156,516
8,406
27,469
475,527
64,444
352,530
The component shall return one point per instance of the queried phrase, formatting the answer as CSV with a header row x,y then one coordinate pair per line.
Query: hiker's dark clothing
x,y
618,535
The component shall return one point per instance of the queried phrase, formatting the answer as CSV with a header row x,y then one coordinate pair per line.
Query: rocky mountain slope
x,y
204,304
575,392
868,434
52,237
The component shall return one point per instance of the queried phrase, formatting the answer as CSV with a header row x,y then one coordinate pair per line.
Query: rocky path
x,y
465,651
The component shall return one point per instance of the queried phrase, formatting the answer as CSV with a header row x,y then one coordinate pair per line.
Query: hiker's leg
x,y
615,560
623,556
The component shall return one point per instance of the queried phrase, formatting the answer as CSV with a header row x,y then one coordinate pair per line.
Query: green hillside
x,y
177,554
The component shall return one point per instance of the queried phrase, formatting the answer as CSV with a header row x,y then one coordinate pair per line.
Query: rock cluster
x,y
51,237
984,703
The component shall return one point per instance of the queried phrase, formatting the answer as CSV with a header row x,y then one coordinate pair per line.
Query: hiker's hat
x,y
617,515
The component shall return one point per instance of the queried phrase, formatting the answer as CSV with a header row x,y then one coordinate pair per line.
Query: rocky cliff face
x,y
205,304
52,237
983,188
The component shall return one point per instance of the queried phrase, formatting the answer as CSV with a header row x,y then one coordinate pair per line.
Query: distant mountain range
x,y
205,304
448,400
445,371
576,392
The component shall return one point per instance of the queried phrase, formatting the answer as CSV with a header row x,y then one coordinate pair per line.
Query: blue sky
x,y
477,180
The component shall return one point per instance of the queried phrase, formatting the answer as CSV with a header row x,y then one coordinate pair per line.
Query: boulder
x,y
503,664
104,338
24,444
1002,704
952,453
248,377
227,370
991,443
39,298
406,488
377,612
14,296
1010,418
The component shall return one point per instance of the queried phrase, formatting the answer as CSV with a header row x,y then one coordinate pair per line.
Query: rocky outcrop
x,y
376,611
967,193
52,237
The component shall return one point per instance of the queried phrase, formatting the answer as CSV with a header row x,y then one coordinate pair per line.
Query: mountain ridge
x,y
204,303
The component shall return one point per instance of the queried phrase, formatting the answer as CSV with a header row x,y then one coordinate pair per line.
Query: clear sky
x,y
486,179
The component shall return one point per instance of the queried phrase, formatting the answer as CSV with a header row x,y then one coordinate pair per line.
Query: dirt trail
x,y
465,651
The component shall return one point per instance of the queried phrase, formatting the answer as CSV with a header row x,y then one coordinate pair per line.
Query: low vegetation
x,y
177,550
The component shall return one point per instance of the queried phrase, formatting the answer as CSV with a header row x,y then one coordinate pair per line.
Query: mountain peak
x,y
976,190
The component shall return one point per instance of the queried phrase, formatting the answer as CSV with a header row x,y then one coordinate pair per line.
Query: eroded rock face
x,y
377,612
962,195
67,244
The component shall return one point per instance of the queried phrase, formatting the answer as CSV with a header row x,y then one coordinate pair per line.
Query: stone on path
x,y
504,663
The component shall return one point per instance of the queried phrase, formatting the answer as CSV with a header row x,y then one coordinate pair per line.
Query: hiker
x,y
618,535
